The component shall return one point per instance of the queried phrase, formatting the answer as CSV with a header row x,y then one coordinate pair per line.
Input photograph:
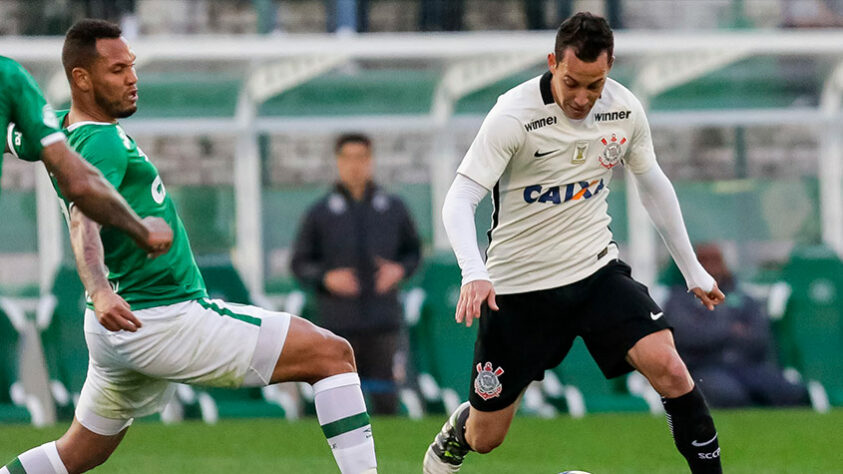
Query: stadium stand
x,y
64,341
442,351
811,332
12,396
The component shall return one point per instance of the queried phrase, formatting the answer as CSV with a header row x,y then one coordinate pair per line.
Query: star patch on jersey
x,y
487,384
612,151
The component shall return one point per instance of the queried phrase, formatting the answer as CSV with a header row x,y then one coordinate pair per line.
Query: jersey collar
x,y
544,87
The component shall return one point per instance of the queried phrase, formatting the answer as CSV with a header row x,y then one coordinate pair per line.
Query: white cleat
x,y
445,454
433,465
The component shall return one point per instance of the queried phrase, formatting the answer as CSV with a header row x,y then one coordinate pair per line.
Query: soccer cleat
x,y
446,452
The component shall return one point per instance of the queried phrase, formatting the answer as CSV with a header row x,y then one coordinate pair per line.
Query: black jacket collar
x,y
371,188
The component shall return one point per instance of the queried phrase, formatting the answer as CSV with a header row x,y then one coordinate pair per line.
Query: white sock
x,y
342,414
41,460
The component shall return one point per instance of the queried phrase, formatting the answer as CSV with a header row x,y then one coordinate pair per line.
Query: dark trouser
x,y
747,385
380,365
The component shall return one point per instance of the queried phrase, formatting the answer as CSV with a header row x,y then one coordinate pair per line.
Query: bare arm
x,y
112,311
85,186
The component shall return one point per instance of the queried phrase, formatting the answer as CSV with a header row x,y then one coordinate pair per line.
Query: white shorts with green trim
x,y
200,342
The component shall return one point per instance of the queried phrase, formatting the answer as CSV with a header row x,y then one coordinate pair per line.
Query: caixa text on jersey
x,y
553,194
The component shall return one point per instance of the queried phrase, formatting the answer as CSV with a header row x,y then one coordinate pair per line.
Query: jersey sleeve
x,y
31,114
498,140
108,152
23,149
641,155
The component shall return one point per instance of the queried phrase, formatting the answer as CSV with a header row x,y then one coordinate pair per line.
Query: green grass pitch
x,y
753,442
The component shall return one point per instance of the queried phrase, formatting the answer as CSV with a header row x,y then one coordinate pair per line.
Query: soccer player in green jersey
x,y
177,334
22,104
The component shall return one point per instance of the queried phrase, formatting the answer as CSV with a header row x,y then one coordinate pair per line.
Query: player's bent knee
x,y
340,356
672,378
334,356
675,370
484,443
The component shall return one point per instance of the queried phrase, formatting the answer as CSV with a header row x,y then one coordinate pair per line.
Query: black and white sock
x,y
694,432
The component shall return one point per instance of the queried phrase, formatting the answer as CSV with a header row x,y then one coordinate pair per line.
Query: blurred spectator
x,y
347,16
441,15
813,13
354,247
42,17
535,12
729,351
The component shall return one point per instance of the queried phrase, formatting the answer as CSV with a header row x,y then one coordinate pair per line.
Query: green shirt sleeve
x,y
30,112
107,151
23,149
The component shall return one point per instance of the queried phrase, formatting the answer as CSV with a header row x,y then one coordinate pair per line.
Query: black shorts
x,y
534,331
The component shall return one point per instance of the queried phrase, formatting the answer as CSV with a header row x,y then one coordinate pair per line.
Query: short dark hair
x,y
589,35
352,138
80,43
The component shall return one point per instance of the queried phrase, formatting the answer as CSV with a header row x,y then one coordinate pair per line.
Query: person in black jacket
x,y
354,247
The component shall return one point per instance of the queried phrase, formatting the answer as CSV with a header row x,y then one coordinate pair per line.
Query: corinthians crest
x,y
612,151
487,384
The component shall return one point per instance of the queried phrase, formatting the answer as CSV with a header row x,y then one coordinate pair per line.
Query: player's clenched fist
x,y
472,296
710,299
159,236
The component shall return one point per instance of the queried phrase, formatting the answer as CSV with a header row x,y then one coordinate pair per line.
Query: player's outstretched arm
x,y
85,186
112,311
660,201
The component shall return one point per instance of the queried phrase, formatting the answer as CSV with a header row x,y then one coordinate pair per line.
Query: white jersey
x,y
549,177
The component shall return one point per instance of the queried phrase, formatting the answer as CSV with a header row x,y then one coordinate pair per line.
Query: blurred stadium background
x,y
240,102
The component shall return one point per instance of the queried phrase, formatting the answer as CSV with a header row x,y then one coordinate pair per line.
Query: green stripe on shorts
x,y
15,467
344,425
227,312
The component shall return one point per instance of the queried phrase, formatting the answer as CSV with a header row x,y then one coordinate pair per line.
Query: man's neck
x,y
82,112
357,192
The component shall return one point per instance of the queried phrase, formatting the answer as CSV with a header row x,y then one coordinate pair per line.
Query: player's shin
x,y
694,432
41,460
342,414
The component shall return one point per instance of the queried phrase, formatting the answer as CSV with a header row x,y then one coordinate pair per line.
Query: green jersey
x,y
141,281
22,103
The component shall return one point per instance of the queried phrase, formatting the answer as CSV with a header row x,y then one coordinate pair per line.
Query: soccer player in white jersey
x,y
546,151
150,322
